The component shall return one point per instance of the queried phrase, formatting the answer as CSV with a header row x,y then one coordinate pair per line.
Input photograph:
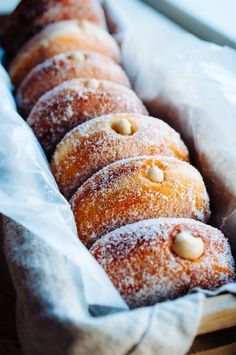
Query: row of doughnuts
x,y
139,206
58,38
63,67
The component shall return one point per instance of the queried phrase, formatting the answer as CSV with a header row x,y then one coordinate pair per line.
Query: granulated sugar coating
x,y
76,101
123,193
58,38
27,20
94,144
140,262
64,67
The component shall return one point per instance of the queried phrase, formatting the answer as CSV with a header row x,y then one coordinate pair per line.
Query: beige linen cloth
x,y
55,314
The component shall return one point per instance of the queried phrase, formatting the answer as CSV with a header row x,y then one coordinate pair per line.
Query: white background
x,y
218,14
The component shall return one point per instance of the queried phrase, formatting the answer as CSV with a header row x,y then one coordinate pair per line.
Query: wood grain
x,y
215,340
219,313
229,349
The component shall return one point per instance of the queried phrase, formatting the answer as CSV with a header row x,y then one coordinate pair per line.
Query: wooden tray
x,y
219,313
216,333
217,329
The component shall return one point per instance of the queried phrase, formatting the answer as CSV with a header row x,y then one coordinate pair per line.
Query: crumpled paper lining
x,y
190,84
195,93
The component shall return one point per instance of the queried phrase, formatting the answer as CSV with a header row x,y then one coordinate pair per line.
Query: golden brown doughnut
x,y
101,141
135,189
30,17
140,260
76,101
66,66
58,38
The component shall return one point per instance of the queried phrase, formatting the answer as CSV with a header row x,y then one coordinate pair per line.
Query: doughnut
x,y
58,38
30,17
64,67
142,260
76,101
138,188
103,140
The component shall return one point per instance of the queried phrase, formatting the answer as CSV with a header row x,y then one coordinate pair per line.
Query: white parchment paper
x,y
190,84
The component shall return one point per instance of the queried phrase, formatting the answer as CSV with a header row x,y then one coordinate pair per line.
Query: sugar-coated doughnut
x,y
58,38
30,17
135,189
102,141
76,101
63,67
140,260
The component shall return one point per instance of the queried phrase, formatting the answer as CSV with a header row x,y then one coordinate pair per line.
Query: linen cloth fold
x,y
53,316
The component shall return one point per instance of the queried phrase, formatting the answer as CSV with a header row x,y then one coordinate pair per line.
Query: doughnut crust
x,y
96,144
63,67
58,38
124,192
30,17
140,262
77,101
